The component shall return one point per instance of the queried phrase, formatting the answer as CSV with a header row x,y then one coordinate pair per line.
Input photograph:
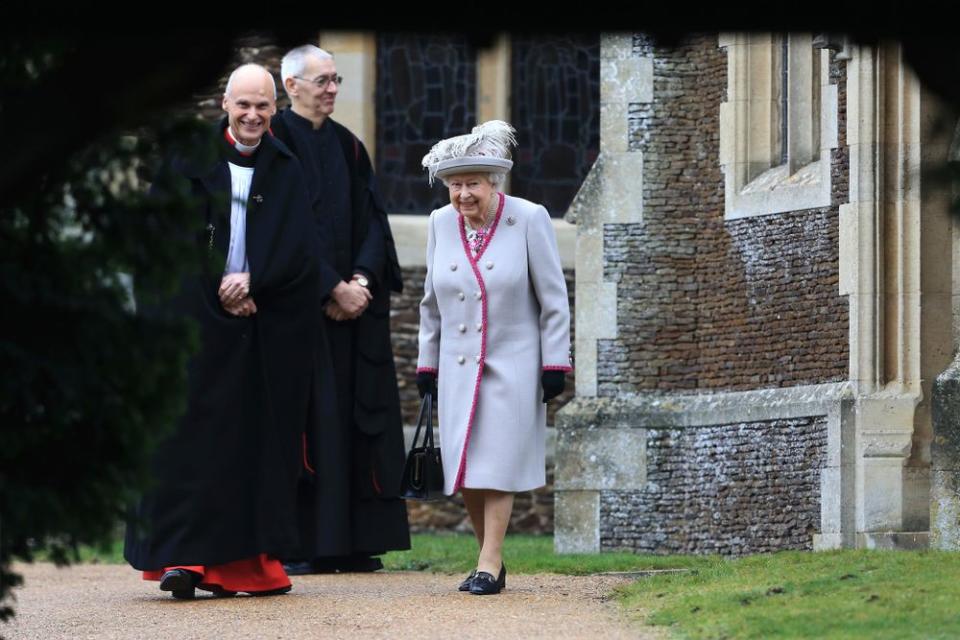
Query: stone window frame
x,y
756,182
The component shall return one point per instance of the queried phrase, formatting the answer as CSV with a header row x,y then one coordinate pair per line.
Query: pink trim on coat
x,y
558,367
426,370
462,471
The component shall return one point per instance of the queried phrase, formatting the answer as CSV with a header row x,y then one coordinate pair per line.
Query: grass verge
x,y
842,594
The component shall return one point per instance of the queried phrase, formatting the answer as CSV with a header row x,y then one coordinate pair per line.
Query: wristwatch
x,y
362,280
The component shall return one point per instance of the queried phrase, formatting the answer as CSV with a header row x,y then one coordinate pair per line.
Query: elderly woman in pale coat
x,y
495,329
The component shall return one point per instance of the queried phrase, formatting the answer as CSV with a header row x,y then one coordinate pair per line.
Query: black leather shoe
x,y
298,568
360,563
271,592
465,585
181,583
218,591
484,584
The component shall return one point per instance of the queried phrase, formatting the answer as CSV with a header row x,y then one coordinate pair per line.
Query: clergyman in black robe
x,y
222,510
352,511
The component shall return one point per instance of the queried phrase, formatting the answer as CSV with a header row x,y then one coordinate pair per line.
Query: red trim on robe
x,y
306,463
426,370
462,471
557,367
260,573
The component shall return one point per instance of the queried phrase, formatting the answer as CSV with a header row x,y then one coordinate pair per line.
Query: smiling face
x,y
250,104
307,98
470,195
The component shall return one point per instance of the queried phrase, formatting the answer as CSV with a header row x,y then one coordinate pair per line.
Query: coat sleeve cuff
x,y
426,370
557,367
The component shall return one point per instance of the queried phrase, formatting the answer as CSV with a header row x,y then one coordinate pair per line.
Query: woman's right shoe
x,y
484,584
465,585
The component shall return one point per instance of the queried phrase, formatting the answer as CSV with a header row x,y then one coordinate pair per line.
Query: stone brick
x,y
709,304
730,489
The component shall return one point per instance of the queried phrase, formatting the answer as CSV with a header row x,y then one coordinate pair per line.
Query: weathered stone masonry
x,y
705,303
731,489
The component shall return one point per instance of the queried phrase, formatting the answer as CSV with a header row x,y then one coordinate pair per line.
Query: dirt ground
x,y
112,602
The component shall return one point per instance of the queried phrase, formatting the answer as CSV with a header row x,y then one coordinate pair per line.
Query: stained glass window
x,y
555,107
426,91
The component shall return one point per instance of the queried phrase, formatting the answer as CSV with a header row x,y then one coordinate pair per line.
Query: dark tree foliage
x,y
91,382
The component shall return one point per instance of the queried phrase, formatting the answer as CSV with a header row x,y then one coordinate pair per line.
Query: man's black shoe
x,y
219,592
334,564
180,582
302,568
361,564
272,592
484,584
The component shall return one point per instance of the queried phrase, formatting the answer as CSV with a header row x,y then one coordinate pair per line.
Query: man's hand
x,y
336,312
352,297
233,288
243,308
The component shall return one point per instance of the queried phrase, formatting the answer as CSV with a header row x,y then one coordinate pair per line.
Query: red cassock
x,y
251,575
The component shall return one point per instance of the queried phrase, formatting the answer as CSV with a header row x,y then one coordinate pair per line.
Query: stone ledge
x,y
677,411
894,540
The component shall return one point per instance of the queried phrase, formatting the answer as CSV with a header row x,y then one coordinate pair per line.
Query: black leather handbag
x,y
423,471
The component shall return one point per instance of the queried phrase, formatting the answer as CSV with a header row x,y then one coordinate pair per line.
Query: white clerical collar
x,y
243,149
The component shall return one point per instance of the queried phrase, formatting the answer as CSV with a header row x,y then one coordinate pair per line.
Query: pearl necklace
x,y
477,237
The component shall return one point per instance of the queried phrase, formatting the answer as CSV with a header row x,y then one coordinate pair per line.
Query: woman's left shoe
x,y
465,585
484,584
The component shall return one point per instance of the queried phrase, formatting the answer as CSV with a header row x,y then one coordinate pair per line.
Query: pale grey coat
x,y
504,314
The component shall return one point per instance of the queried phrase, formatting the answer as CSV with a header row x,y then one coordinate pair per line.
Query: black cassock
x,y
226,479
353,507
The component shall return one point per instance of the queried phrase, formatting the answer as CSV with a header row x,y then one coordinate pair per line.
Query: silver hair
x,y
295,61
229,87
495,179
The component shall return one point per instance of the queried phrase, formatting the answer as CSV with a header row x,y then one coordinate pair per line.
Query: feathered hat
x,y
485,149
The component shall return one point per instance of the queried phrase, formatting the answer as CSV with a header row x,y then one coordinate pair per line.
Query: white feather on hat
x,y
485,148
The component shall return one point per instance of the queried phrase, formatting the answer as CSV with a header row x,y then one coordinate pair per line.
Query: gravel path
x,y
111,602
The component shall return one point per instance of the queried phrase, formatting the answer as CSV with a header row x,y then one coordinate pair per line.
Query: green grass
x,y
843,594
457,553
108,554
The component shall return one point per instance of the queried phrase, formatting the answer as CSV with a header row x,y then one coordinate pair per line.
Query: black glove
x,y
427,383
553,383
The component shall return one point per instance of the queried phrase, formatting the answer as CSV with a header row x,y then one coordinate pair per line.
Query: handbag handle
x,y
426,411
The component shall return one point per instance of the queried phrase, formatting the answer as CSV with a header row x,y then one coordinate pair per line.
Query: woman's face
x,y
470,195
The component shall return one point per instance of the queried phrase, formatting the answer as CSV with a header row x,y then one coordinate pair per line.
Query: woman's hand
x,y
427,383
553,384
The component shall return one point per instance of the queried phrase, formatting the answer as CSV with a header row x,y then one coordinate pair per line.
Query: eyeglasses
x,y
322,81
